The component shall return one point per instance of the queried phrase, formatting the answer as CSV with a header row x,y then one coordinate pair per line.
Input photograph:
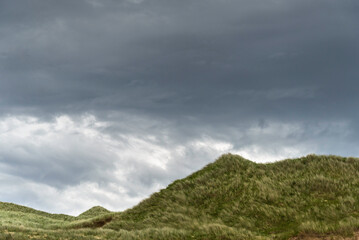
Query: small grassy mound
x,y
94,212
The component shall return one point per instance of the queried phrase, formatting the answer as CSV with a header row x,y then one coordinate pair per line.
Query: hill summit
x,y
232,198
93,212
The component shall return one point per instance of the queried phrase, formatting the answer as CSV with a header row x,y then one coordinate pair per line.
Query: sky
x,y
105,102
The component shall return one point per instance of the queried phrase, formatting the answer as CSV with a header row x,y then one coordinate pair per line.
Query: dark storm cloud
x,y
191,58
178,81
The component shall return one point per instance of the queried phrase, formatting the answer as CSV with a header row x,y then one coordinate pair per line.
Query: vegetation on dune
x,y
94,212
232,198
10,207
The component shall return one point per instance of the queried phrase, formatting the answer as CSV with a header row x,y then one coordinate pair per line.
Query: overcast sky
x,y
103,102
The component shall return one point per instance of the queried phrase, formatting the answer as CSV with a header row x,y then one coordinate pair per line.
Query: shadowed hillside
x,y
232,198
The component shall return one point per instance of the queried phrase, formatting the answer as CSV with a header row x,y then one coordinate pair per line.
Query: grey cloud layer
x,y
171,58
188,79
70,164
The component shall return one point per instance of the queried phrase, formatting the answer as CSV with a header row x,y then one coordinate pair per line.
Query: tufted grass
x,y
232,198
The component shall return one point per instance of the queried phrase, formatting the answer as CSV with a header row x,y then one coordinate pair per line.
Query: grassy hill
x,y
232,198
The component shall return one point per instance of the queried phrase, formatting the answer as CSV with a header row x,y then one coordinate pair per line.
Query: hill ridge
x,y
235,198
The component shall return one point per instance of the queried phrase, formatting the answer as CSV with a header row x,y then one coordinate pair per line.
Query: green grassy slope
x,y
232,198
313,194
10,207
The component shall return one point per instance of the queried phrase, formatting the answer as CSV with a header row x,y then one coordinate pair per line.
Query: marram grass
x,y
232,198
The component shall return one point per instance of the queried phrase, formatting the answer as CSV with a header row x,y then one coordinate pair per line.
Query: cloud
x,y
84,161
71,199
54,152
80,164
167,58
